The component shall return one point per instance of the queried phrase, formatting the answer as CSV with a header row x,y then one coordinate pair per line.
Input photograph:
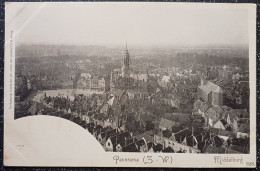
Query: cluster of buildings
x,y
88,81
116,107
126,79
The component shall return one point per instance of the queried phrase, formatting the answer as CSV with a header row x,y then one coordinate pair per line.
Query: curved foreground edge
x,y
47,140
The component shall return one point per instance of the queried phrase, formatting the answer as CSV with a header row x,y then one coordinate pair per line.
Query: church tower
x,y
126,65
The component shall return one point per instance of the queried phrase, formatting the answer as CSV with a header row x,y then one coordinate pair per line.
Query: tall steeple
x,y
126,64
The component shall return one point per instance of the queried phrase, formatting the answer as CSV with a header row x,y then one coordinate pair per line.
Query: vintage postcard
x,y
130,84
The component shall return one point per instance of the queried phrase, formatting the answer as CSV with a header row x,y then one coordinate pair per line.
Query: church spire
x,y
126,64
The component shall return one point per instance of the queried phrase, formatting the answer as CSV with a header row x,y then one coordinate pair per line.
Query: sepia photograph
x,y
130,83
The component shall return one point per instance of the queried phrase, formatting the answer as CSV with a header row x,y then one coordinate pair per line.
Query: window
x,y
108,144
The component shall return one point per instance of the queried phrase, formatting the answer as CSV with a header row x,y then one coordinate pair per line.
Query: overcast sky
x,y
144,24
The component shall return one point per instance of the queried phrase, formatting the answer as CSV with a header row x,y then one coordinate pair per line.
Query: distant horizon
x,y
137,46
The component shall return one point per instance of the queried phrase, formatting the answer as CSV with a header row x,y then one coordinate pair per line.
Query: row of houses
x,y
189,140
117,140
223,117
179,143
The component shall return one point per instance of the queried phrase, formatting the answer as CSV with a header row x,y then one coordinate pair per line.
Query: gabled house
x,y
210,93
113,141
103,136
232,119
219,125
122,144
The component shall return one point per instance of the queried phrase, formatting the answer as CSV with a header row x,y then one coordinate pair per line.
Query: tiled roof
x,y
244,128
130,148
204,107
172,138
147,138
120,138
176,116
212,114
127,141
222,132
210,87
217,109
197,104
160,134
108,133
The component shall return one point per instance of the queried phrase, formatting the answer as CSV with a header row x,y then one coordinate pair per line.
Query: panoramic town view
x,y
141,99
139,77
